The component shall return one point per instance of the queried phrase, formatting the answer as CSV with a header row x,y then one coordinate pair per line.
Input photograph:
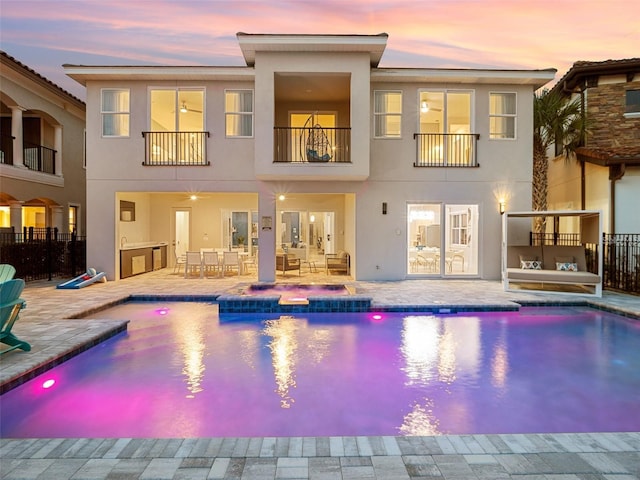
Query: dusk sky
x,y
516,34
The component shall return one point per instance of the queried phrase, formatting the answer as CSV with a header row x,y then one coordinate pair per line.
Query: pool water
x,y
181,371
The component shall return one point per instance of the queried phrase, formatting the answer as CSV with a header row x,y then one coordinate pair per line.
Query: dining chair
x,y
193,264
230,261
211,263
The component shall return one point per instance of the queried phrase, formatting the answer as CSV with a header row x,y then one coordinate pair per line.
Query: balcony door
x,y
445,121
177,123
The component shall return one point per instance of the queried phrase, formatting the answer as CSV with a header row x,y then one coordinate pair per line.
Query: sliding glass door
x,y
442,239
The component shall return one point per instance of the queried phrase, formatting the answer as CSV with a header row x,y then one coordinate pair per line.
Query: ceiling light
x,y
281,197
183,108
424,107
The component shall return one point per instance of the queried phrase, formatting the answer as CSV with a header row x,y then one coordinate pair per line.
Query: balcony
x,y
446,149
39,158
34,157
175,148
312,145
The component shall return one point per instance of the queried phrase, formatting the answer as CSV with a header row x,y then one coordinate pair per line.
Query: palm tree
x,y
555,121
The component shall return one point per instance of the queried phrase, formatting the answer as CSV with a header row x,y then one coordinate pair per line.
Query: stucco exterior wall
x,y
67,187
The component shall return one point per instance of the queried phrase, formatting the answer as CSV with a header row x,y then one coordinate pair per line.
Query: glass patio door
x,y
442,239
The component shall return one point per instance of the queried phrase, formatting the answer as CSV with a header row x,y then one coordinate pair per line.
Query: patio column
x,y
15,215
266,237
57,146
57,218
18,139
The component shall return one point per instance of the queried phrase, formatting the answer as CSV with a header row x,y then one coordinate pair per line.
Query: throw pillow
x,y
567,266
531,265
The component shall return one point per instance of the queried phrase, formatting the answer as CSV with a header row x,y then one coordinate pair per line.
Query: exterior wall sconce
x,y
502,207
384,208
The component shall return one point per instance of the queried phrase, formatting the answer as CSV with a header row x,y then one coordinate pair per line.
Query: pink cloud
x,y
507,34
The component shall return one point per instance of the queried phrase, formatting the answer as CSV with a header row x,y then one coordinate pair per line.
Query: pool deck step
x,y
52,343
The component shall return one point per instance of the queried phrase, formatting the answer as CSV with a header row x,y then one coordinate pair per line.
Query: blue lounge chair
x,y
6,272
10,305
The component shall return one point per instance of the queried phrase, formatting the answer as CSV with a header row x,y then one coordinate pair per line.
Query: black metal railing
x,y
621,257
45,253
311,145
554,238
175,148
446,149
622,262
39,158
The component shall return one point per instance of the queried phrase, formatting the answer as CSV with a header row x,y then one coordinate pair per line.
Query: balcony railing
x,y
175,148
311,145
39,158
446,149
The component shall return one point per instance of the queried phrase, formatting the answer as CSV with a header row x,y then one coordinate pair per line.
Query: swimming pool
x,y
182,371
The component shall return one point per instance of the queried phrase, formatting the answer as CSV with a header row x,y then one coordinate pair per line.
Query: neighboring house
x,y
310,147
606,175
42,152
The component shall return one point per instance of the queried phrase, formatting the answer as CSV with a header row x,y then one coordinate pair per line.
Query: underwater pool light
x,y
48,383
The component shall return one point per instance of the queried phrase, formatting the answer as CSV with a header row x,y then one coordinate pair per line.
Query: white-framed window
x,y
115,112
458,225
387,114
632,103
74,216
238,111
502,115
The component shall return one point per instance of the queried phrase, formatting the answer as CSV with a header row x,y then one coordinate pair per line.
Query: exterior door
x,y
329,233
182,231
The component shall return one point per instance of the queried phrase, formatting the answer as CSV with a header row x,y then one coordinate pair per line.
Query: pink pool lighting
x,y
48,383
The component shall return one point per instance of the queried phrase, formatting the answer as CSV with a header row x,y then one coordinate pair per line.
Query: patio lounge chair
x,y
286,262
6,272
10,305
338,262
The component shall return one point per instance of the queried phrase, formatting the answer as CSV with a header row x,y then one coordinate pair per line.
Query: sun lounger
x,y
10,305
6,272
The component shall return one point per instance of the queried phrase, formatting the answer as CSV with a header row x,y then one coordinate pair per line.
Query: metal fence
x,y
622,262
621,257
43,253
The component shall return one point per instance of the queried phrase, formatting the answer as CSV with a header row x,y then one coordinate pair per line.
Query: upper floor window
x,y
502,115
632,103
115,112
387,114
177,110
238,110
445,124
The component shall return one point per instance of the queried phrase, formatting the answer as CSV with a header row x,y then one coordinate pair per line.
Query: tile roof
x,y
18,65
585,68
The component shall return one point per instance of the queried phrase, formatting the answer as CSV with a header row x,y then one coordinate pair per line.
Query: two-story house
x,y
41,152
606,175
311,147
